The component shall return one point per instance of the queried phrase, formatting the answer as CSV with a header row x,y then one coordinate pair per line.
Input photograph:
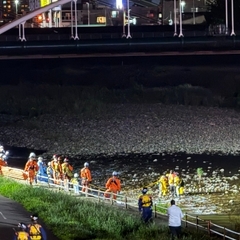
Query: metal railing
x,y
122,200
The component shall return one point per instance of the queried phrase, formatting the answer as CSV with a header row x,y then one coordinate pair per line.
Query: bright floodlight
x,y
183,3
119,4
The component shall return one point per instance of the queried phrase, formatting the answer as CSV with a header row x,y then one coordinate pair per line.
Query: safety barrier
x,y
121,200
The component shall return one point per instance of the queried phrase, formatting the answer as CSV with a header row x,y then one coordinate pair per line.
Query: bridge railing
x,y
121,200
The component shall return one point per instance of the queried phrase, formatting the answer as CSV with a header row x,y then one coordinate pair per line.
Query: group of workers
x,y
171,183
59,171
32,231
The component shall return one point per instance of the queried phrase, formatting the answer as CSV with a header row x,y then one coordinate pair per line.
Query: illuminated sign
x,y
45,2
101,19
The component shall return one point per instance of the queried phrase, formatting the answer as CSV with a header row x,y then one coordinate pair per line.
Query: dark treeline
x,y
75,86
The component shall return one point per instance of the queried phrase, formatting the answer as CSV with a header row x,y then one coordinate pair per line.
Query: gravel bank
x,y
130,128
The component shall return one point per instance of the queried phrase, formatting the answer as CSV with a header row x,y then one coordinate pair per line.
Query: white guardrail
x,y
123,200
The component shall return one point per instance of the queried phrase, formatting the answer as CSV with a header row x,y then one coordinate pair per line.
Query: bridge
x,y
79,41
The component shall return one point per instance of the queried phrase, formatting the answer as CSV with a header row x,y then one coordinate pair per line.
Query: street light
x,y
128,16
226,17
16,3
181,5
232,10
175,18
88,12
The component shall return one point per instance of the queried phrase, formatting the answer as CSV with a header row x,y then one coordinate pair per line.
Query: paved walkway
x,y
11,213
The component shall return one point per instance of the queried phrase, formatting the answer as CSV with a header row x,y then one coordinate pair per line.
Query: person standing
x,y
57,170
113,186
67,173
163,186
175,216
75,182
86,177
36,231
171,176
31,168
145,205
50,173
42,171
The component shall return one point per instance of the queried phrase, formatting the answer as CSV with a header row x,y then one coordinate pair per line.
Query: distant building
x,y
105,12
10,9
193,11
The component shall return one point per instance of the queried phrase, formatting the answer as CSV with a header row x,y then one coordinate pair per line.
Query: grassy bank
x,y
71,219
34,100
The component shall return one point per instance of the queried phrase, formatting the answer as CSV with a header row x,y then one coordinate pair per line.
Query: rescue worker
x,y
22,232
145,205
3,154
56,165
35,230
176,181
67,172
170,177
31,168
50,173
86,177
181,187
113,186
75,182
2,163
163,186
67,169
42,171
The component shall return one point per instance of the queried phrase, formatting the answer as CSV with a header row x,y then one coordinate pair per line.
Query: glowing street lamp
x,y
181,5
175,18
119,4
16,4
232,10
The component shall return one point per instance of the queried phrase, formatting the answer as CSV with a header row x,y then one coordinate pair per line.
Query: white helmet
x,y
86,164
22,226
114,173
34,217
1,147
75,175
32,155
49,164
40,159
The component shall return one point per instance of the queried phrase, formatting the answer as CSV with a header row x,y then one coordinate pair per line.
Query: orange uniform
x,y
2,163
113,185
57,169
86,177
31,168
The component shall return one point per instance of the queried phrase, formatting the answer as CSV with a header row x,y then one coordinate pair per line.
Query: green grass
x,y
36,100
71,219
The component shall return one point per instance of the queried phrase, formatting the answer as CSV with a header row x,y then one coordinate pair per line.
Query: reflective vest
x,y
146,200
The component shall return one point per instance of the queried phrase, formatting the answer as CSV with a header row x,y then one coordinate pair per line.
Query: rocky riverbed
x,y
126,129
141,141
